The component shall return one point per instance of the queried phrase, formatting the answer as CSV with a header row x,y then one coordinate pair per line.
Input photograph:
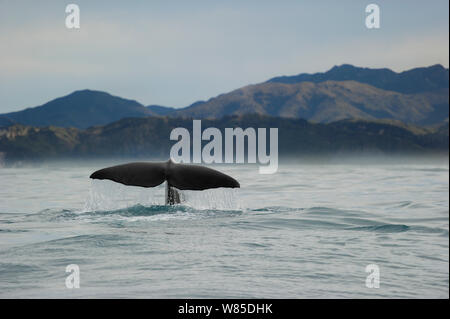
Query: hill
x,y
149,138
80,109
412,81
326,102
418,96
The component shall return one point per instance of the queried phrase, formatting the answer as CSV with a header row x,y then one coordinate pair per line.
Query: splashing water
x,y
105,195
217,198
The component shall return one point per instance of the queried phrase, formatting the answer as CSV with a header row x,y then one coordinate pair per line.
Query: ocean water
x,y
308,231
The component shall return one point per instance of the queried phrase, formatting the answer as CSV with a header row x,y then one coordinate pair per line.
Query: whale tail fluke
x,y
180,176
134,174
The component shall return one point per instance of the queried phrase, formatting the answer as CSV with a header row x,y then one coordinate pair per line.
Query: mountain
x,y
326,102
161,110
416,80
80,109
149,138
418,96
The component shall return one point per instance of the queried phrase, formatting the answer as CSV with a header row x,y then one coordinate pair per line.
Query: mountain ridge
x,y
418,96
325,102
81,109
416,80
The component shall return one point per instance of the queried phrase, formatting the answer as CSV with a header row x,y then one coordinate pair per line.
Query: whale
x,y
177,177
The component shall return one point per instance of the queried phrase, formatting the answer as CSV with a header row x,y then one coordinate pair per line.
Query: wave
x,y
269,218
388,228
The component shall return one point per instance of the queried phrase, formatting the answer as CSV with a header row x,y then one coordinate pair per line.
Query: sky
x,y
174,53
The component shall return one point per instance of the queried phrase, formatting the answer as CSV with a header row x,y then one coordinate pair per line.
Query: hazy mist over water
x,y
307,231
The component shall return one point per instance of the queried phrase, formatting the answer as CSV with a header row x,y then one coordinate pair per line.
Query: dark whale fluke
x,y
181,176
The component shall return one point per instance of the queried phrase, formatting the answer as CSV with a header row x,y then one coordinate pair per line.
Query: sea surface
x,y
308,231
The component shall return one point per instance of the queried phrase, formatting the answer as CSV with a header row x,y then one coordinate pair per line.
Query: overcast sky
x,y
174,53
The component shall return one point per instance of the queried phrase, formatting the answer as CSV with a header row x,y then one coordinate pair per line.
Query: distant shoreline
x,y
149,138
